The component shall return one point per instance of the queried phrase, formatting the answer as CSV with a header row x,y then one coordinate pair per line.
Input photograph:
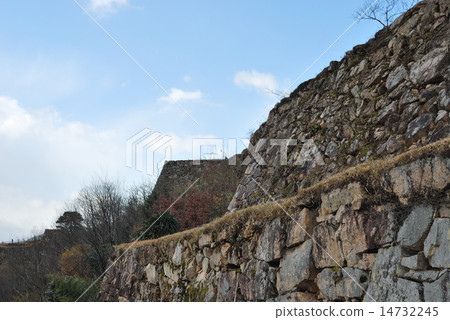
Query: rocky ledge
x,y
379,231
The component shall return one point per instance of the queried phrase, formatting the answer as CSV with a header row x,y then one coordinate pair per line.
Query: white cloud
x,y
178,95
106,5
187,78
261,82
45,160
13,119
20,213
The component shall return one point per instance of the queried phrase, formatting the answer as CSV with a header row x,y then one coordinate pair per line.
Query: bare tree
x,y
102,205
383,11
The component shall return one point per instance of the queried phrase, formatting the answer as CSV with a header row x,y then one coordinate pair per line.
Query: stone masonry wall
x,y
177,175
383,98
390,235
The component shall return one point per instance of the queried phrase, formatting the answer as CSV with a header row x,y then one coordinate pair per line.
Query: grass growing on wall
x,y
369,172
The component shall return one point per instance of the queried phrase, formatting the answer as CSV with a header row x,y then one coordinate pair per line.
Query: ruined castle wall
x,y
388,230
383,98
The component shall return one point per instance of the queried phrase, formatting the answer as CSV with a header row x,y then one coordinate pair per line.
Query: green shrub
x,y
158,227
69,289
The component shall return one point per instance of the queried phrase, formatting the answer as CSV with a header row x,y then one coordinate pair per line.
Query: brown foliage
x,y
74,262
206,200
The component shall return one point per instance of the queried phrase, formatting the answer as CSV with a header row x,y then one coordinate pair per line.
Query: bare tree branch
x,y
383,11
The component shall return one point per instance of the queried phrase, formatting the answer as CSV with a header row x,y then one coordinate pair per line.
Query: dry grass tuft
x,y
370,171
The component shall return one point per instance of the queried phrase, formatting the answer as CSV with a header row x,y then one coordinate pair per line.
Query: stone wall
x,y
387,96
177,175
369,222
378,232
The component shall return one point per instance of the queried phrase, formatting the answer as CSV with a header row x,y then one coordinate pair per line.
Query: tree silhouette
x,y
383,11
71,225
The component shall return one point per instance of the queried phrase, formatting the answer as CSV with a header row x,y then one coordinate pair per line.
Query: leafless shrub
x,y
383,11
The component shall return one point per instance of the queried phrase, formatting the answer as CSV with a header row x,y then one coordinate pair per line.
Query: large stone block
x,y
350,194
439,290
298,230
427,68
170,272
152,274
296,266
436,247
257,283
396,77
385,284
271,241
418,177
342,284
326,250
415,262
205,240
361,231
414,228
178,254
418,127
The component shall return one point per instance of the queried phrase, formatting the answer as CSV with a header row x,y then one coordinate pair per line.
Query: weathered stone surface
x,y
271,241
396,77
416,262
440,115
258,281
295,267
342,284
361,231
413,230
427,68
332,150
191,270
444,212
215,259
331,202
421,276
178,254
152,275
326,250
417,128
385,284
170,272
205,240
441,173
298,230
439,290
436,247
420,176
366,261
227,290
205,265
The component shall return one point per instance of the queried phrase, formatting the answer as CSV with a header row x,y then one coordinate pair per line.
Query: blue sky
x,y
70,97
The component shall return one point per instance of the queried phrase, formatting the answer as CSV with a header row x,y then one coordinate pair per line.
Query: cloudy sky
x,y
79,78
